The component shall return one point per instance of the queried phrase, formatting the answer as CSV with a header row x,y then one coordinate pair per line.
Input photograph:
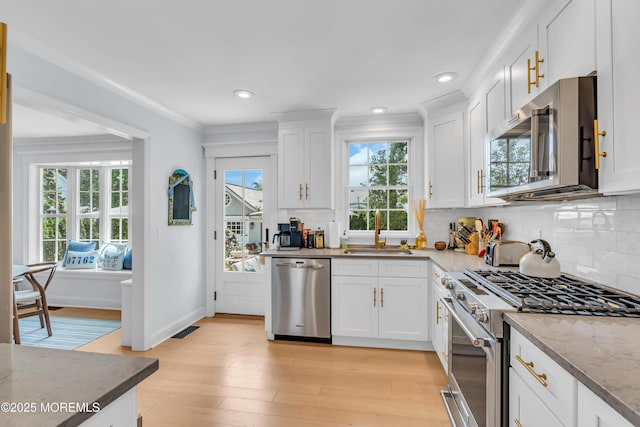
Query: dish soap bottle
x,y
344,243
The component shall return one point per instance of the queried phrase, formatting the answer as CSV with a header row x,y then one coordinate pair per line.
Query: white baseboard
x,y
159,336
84,302
382,343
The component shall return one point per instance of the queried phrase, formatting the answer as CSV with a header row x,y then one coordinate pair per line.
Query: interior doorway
x,y
242,196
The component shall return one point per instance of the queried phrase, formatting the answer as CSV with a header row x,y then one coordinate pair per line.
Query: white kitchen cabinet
x,y
495,99
525,407
553,385
354,306
305,165
476,143
446,162
520,80
440,331
567,40
368,302
618,44
476,140
403,310
542,393
594,412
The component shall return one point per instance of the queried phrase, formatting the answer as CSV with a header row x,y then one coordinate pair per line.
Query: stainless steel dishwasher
x,y
301,299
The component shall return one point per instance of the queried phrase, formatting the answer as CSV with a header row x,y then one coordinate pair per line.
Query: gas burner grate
x,y
562,295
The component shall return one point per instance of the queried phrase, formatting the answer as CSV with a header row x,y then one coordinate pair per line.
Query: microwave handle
x,y
535,141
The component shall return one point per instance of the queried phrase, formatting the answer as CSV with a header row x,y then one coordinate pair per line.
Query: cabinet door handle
x,y
381,297
538,62
542,378
437,311
529,70
306,194
300,191
517,421
430,189
596,142
479,181
374,297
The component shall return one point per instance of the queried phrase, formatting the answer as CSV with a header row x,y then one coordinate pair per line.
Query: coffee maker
x,y
289,234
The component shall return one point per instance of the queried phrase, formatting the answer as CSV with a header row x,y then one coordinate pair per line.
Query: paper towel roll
x,y
332,235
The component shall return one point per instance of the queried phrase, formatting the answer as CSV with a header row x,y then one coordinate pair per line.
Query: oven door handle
x,y
477,335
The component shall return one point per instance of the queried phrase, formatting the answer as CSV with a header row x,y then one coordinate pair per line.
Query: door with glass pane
x,y
240,224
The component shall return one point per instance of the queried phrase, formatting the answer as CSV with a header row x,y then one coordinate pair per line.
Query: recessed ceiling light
x,y
445,77
241,93
378,110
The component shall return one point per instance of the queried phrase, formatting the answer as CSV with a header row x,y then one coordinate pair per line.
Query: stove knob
x,y
447,283
473,307
482,316
460,295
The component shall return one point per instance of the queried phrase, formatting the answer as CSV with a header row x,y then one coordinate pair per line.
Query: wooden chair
x,y
32,302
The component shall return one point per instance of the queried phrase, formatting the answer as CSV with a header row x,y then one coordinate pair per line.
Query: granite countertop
x,y
448,260
601,352
37,376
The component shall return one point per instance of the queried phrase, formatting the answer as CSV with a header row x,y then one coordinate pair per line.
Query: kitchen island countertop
x,y
34,378
601,352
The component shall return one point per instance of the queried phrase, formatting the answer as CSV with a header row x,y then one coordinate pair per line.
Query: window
x,y
378,179
84,204
236,227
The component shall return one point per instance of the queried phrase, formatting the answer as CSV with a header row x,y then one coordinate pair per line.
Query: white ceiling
x,y
294,55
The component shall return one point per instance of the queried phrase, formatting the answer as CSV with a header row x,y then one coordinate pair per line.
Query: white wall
x,y
597,239
176,279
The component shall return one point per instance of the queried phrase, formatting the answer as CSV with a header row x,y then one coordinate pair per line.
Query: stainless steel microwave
x,y
546,150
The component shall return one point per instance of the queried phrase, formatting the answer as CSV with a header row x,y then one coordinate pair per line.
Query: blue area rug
x,y
68,332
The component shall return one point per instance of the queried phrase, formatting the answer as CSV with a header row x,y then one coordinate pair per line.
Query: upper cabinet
x,y
477,120
618,38
520,70
560,44
306,164
446,161
567,40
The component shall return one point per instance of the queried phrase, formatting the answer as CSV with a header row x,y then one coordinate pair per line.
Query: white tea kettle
x,y
541,261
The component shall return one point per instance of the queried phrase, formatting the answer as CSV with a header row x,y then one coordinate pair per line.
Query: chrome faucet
x,y
378,243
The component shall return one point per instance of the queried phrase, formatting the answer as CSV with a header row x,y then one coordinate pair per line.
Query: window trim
x,y
33,199
415,137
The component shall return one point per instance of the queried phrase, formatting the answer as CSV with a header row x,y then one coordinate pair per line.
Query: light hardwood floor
x,y
228,374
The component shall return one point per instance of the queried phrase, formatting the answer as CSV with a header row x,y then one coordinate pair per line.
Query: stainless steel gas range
x,y
476,303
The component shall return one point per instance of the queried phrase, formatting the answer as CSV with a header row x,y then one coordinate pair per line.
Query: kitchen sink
x,y
374,251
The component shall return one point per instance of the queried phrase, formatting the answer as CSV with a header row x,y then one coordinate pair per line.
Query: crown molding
x,y
51,55
241,128
512,28
441,101
70,140
382,121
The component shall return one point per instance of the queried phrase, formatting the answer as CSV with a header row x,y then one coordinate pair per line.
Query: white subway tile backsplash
x,y
597,239
628,242
628,203
629,284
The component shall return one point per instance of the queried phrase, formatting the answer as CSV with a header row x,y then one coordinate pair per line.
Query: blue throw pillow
x,y
81,260
126,264
75,246
112,255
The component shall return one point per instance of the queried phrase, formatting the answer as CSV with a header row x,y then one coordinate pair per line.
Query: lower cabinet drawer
x,y
555,387
525,407
404,268
354,267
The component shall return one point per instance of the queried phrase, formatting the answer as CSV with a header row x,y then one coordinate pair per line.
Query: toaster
x,y
505,252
